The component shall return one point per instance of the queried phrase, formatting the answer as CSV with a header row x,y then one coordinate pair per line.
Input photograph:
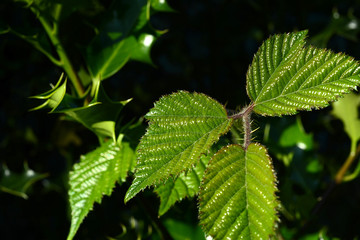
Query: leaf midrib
x,y
179,154
299,48
298,91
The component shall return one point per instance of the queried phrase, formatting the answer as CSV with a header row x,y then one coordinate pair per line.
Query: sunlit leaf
x,y
286,77
161,5
94,176
142,51
18,183
237,197
182,127
186,185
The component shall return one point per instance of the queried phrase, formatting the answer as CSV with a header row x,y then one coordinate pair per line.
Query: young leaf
x,y
237,196
94,176
186,185
182,127
100,115
285,76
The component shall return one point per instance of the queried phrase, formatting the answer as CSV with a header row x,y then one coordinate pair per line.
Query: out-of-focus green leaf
x,y
4,28
18,183
346,26
161,5
114,45
183,231
295,135
100,115
346,110
94,176
106,59
186,185
142,51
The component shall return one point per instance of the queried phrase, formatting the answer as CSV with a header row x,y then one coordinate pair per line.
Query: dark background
x,y
208,48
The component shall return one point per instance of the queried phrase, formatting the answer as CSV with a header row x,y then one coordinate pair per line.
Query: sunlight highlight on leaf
x,y
186,185
182,127
94,176
237,197
286,77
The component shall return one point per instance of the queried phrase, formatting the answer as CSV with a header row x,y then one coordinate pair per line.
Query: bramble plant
x,y
180,154
237,196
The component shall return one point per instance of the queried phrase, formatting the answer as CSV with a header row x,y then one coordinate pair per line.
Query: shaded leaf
x,y
183,231
237,197
343,25
182,127
18,183
94,176
186,185
116,41
295,135
346,110
285,76
100,115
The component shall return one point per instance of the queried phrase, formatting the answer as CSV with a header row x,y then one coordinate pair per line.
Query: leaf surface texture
x,y
286,77
186,185
237,196
94,176
182,127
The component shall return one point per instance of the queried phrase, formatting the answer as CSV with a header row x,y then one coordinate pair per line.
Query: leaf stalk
x,y
245,115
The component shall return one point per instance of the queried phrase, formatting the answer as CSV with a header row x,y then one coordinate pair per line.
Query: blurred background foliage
x,y
206,46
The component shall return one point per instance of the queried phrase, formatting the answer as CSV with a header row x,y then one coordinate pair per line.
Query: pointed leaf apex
x,y
286,77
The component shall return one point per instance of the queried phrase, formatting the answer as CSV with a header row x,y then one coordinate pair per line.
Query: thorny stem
x,y
245,114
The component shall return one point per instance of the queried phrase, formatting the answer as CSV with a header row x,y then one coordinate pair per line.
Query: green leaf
x,y
183,231
116,41
182,127
186,185
104,61
100,115
237,197
53,97
142,51
18,183
94,176
161,5
295,135
286,77
346,110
